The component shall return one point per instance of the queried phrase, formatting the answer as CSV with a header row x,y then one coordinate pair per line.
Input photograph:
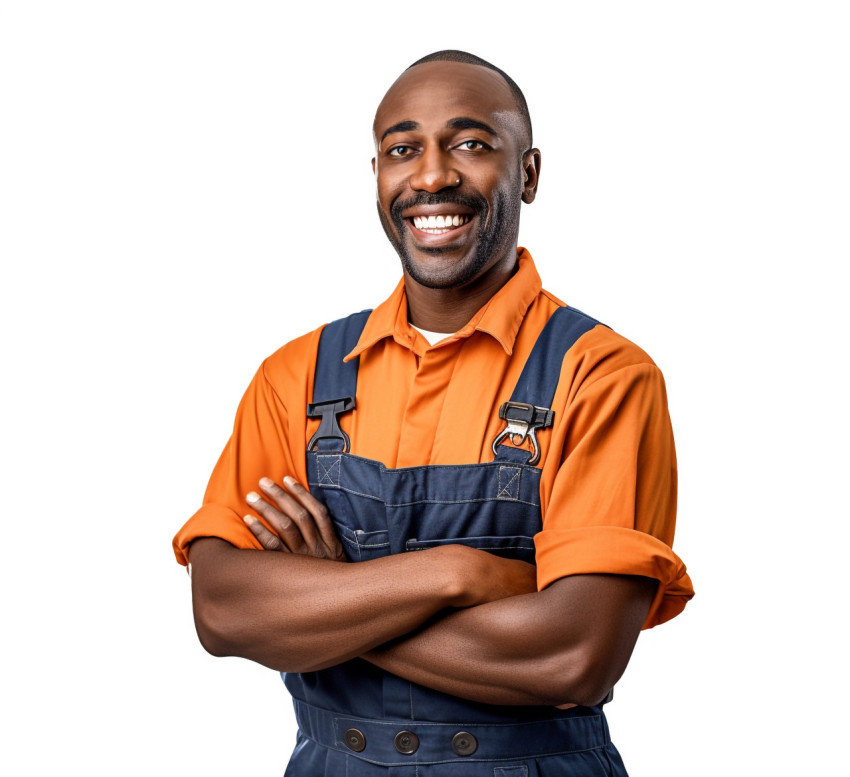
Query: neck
x,y
448,310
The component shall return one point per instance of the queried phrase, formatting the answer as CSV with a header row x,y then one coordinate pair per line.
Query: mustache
x,y
474,202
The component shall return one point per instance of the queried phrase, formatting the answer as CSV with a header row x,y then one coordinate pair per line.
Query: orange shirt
x,y
608,485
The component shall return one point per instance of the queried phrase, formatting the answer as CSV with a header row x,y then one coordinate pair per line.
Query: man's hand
x,y
300,522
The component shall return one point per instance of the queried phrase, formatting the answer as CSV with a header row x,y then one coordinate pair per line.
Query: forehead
x,y
435,92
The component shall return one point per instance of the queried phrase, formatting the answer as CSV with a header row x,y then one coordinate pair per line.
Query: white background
x,y
184,186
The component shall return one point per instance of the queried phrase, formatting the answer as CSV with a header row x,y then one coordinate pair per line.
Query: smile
x,y
439,225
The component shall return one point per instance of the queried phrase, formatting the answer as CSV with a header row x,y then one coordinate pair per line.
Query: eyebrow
x,y
459,123
402,126
465,123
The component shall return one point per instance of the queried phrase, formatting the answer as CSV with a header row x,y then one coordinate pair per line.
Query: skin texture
x,y
567,644
448,141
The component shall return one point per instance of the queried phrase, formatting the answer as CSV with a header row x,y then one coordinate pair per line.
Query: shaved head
x,y
454,55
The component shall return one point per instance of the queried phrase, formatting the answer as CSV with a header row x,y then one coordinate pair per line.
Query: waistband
x,y
397,742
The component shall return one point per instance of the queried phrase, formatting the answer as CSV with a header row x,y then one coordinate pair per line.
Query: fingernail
x,y
290,481
266,482
249,519
252,497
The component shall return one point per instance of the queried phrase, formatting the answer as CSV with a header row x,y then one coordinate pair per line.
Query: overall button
x,y
355,740
406,742
464,743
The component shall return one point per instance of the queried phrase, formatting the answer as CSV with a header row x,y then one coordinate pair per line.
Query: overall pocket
x,y
360,545
517,547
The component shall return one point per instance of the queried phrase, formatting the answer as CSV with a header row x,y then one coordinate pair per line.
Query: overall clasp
x,y
523,421
329,428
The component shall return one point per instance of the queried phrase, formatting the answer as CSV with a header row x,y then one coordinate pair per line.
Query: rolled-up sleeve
x,y
612,508
257,448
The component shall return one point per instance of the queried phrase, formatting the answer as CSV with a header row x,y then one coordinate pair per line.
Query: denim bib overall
x,y
356,720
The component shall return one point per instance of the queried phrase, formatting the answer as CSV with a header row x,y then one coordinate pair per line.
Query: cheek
x,y
386,192
492,181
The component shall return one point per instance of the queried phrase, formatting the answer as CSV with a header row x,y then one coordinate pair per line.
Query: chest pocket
x,y
379,511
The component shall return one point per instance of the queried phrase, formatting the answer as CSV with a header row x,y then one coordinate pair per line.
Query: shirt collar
x,y
500,317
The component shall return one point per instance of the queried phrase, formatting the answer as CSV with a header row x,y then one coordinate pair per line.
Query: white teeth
x,y
438,224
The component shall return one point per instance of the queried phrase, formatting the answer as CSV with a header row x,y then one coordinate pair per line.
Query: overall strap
x,y
529,407
335,381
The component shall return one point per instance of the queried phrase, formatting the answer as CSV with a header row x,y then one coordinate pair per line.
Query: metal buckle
x,y
523,421
329,428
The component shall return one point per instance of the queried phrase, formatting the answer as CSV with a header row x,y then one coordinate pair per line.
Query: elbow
x,y
213,627
218,602
578,676
224,630
214,622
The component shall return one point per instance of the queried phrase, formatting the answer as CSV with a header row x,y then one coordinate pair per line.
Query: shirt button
x,y
406,742
464,743
355,740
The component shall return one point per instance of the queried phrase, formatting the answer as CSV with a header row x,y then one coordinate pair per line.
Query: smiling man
x,y
522,449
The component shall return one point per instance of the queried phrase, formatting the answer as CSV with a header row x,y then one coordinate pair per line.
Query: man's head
x,y
453,163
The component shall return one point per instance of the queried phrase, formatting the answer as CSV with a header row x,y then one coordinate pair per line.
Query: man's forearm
x,y
297,613
568,643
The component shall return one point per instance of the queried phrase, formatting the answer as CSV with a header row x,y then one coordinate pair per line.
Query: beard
x,y
495,235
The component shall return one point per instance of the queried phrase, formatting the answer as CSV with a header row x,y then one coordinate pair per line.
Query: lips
x,y
438,219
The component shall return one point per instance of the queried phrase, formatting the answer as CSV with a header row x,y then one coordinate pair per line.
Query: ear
x,y
530,174
373,165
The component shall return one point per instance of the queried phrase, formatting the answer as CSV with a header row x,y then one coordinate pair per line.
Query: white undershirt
x,y
432,337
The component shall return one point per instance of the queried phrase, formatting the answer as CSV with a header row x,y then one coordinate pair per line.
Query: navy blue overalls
x,y
356,720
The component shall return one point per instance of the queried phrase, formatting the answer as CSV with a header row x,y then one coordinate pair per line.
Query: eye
x,y
400,151
473,145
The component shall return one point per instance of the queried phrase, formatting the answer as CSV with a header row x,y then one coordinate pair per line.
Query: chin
x,y
436,272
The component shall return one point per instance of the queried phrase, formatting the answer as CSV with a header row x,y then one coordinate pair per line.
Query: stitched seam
x,y
432,723
423,501
505,489
401,470
327,476
348,491
457,759
457,502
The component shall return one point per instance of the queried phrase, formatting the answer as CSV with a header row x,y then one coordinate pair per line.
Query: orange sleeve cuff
x,y
213,520
616,550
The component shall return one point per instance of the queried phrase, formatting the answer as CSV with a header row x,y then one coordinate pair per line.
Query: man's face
x,y
452,167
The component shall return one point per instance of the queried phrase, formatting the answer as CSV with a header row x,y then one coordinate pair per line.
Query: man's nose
x,y
434,171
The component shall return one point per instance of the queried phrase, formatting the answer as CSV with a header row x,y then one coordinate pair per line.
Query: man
x,y
470,417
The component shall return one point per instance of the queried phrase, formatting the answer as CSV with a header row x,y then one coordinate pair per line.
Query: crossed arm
x,y
452,618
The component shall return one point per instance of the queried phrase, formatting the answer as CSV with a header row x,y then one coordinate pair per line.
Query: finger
x,y
286,529
268,540
297,513
320,514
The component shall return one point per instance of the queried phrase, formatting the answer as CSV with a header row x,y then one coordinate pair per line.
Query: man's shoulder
x,y
599,350
297,358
